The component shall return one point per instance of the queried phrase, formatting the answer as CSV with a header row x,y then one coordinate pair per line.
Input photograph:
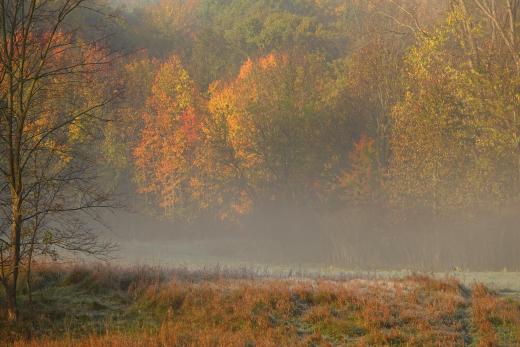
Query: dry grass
x,y
496,319
230,309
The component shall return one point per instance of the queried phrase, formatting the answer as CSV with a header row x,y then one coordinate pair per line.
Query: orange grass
x,y
224,311
496,319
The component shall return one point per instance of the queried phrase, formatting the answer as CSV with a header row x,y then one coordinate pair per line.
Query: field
x,y
108,306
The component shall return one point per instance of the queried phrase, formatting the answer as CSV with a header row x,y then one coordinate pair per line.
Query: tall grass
x,y
109,306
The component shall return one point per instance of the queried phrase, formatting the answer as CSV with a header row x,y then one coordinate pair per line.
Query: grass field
x,y
108,306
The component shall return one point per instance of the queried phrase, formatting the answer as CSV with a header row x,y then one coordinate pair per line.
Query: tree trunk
x,y
12,280
29,285
12,306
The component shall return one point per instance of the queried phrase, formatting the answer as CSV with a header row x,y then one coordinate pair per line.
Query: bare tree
x,y
50,109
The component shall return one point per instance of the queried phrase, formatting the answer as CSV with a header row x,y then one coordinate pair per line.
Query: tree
x,y
274,130
455,139
165,154
50,106
121,136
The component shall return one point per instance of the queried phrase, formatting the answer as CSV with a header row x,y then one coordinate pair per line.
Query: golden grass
x,y
496,319
415,311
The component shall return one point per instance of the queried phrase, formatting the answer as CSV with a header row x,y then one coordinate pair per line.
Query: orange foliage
x,y
245,69
164,155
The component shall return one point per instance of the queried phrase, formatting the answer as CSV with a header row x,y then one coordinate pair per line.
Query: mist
x,y
306,240
338,134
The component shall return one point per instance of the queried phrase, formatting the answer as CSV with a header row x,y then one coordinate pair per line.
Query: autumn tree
x,y
166,152
50,109
455,141
278,128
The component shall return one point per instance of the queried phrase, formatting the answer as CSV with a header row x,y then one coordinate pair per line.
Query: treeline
x,y
233,106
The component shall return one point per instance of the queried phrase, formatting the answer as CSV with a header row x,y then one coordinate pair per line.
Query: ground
x,y
109,306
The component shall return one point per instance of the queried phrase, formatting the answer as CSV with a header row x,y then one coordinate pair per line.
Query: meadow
x,y
97,305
